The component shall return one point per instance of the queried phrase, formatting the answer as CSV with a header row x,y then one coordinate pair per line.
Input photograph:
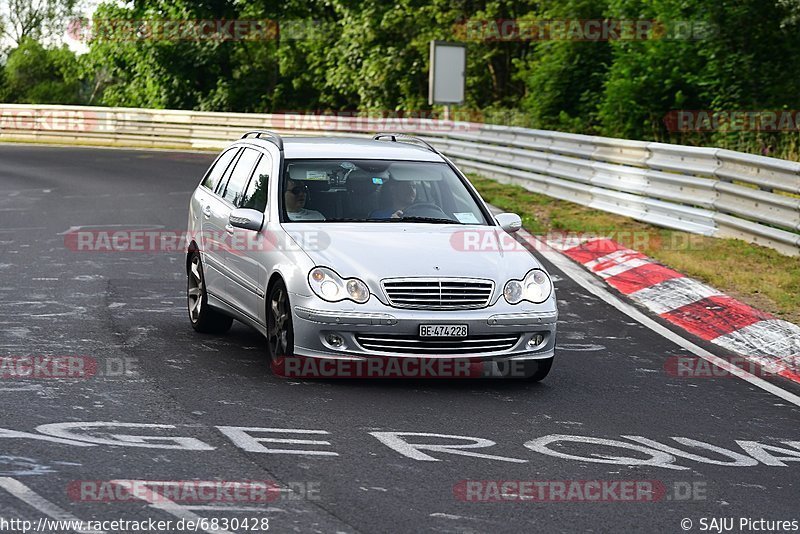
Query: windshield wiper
x,y
436,220
346,219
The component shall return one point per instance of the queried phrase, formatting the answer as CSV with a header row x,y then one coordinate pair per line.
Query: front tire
x,y
537,370
280,331
203,317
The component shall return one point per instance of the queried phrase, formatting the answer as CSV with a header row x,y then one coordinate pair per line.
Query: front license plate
x,y
442,330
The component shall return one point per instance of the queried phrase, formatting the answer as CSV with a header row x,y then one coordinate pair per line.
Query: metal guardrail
x,y
707,191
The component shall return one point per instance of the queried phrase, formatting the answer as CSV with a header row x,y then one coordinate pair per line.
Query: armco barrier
x,y
708,191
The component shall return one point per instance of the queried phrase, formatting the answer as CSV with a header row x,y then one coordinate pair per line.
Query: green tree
x,y
329,55
144,70
38,75
35,19
736,58
563,77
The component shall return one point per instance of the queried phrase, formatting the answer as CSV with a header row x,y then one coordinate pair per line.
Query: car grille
x,y
405,344
438,293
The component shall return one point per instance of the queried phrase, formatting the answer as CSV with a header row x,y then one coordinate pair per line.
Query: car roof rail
x,y
273,137
393,136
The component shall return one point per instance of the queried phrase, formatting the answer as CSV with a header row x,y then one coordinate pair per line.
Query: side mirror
x,y
246,218
510,222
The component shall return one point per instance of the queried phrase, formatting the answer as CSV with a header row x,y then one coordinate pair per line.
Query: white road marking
x,y
401,442
739,460
33,499
223,508
396,441
241,437
762,452
14,466
657,458
14,230
447,516
65,432
596,288
581,347
166,505
15,434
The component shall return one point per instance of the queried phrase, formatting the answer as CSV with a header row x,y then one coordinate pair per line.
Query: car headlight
x,y
328,285
535,287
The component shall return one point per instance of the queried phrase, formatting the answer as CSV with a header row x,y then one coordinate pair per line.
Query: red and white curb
x,y
693,306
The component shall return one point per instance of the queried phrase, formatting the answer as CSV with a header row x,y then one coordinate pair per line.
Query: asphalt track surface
x,y
608,381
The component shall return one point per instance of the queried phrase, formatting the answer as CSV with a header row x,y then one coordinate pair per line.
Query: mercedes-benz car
x,y
362,250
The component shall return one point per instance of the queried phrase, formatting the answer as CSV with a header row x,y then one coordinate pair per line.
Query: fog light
x,y
334,340
535,341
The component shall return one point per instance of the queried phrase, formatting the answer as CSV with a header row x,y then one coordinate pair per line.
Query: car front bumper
x,y
532,326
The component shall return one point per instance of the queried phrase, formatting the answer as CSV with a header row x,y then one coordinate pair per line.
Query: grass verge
x,y
759,276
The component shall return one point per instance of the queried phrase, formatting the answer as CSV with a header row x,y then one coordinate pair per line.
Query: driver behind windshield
x,y
401,196
294,196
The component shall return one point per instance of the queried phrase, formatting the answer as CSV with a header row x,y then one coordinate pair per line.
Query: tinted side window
x,y
216,172
227,176
235,187
256,195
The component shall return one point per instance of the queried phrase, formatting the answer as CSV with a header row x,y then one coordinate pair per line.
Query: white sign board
x,y
447,79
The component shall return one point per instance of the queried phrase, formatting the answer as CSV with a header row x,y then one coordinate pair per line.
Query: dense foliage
x,y
372,55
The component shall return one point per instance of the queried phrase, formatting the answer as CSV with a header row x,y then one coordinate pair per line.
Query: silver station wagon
x,y
350,251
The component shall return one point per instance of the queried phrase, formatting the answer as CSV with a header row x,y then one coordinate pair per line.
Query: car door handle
x,y
229,228
207,211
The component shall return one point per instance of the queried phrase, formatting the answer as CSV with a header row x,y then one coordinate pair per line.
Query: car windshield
x,y
376,191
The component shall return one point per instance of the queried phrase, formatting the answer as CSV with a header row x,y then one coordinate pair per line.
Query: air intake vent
x,y
413,345
438,293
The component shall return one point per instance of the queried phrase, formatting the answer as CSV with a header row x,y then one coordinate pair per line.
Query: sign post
x,y
447,79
